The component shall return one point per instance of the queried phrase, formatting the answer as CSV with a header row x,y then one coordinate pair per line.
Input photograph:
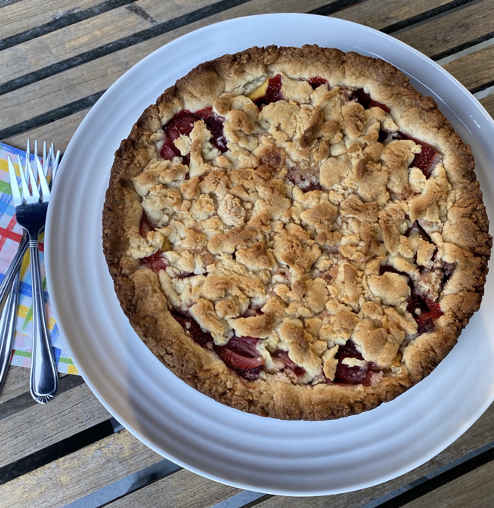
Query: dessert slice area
x,y
296,231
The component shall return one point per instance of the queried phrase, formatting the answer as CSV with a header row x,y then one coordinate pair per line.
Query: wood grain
x,y
441,36
89,34
181,489
112,26
388,13
480,434
72,477
27,14
59,132
98,75
475,70
17,381
39,426
473,489
488,103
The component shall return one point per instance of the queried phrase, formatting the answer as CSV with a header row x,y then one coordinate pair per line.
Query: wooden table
x,y
56,60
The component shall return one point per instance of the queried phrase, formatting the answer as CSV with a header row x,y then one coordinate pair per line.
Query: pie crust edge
x,y
145,305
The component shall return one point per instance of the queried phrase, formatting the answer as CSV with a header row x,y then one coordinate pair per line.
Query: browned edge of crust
x,y
145,305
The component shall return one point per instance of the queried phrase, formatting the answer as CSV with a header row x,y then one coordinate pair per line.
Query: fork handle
x,y
7,327
44,377
14,267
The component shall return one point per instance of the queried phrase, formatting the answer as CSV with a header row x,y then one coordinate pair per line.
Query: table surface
x,y
56,60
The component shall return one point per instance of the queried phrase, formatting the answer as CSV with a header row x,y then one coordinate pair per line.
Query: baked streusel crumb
x,y
297,233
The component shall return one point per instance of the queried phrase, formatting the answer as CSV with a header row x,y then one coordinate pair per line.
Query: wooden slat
x,y
111,27
474,70
40,426
16,384
27,14
97,75
59,132
440,36
474,489
89,34
388,12
488,103
182,489
81,473
480,434
122,22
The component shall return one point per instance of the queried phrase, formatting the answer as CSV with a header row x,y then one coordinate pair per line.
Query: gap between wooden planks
x,y
25,15
61,131
92,77
120,455
37,427
105,31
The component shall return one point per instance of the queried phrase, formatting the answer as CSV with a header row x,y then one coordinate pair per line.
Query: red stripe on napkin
x,y
8,233
5,233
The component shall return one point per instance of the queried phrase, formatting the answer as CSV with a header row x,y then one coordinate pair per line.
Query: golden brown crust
x,y
449,204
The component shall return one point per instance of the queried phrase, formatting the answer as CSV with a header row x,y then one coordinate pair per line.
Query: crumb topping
x,y
312,231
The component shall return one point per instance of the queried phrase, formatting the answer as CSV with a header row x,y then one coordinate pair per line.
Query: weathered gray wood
x,y
387,12
22,16
59,132
181,489
480,434
16,384
106,29
452,30
488,103
474,70
474,489
97,75
39,426
81,473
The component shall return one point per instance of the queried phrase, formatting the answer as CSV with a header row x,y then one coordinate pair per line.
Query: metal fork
x,y
8,314
49,158
31,212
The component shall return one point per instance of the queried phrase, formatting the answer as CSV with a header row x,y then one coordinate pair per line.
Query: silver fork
x,y
49,158
31,215
8,314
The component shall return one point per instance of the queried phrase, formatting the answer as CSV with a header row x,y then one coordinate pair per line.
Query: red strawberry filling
x,y
273,92
214,123
307,180
423,309
241,355
351,374
283,357
193,330
426,160
421,231
183,123
155,262
316,81
364,99
145,225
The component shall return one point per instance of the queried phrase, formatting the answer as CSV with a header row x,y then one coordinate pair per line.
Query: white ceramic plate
x,y
291,458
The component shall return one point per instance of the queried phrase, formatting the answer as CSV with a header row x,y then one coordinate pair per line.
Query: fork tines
x,y
38,189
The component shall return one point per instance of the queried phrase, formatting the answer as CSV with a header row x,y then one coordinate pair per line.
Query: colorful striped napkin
x,y
10,236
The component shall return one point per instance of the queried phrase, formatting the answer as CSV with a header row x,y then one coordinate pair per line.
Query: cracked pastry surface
x,y
297,233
